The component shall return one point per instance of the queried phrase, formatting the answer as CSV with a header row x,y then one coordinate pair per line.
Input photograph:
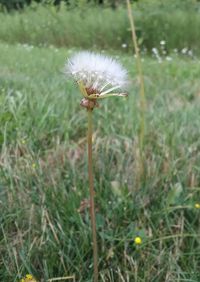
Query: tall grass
x,y
176,23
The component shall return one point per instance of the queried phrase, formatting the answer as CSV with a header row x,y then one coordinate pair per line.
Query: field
x,y
153,194
45,226
175,21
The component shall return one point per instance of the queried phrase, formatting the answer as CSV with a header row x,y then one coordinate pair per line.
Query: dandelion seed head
x,y
97,72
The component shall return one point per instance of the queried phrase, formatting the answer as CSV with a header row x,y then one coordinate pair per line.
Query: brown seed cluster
x,y
89,104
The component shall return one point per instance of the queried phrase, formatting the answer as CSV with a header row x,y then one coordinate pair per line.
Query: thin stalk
x,y
141,77
92,193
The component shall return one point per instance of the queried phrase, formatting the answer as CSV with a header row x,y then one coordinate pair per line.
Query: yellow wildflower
x,y
138,241
197,206
33,165
28,278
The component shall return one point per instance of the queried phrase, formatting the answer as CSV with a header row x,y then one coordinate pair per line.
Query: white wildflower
x,y
156,54
190,53
184,50
124,45
99,76
162,42
168,58
27,46
155,51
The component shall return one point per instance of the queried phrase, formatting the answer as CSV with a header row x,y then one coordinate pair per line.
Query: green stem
x,y
141,77
92,193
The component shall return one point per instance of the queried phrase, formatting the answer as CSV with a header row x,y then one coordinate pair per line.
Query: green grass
x,y
43,172
177,22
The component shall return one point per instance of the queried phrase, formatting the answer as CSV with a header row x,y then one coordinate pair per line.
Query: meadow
x,y
44,216
175,21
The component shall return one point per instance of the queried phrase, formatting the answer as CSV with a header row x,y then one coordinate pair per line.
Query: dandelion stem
x,y
92,193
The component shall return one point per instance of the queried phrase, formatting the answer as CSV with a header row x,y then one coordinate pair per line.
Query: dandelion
x,y
138,240
28,278
197,206
97,76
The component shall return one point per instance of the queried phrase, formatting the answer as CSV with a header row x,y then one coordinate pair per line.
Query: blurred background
x,y
102,24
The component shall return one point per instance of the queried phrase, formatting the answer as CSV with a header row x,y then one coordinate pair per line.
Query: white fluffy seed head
x,y
97,72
